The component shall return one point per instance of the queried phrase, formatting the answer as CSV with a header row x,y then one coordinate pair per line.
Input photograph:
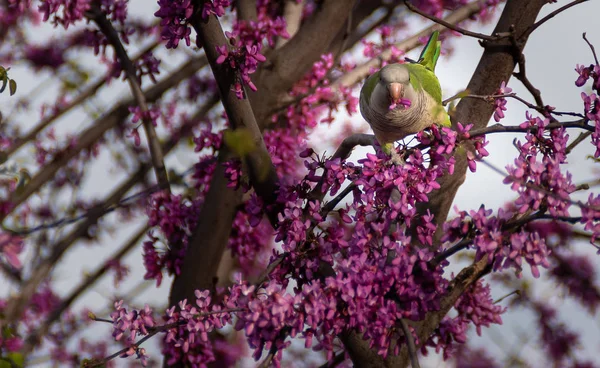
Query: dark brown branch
x,y
292,13
246,10
495,66
451,26
330,206
550,16
96,14
208,241
522,76
591,47
343,152
499,128
288,64
580,138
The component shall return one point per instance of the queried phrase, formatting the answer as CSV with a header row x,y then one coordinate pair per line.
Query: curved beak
x,y
395,90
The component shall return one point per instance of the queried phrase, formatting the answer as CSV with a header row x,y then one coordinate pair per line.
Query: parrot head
x,y
393,86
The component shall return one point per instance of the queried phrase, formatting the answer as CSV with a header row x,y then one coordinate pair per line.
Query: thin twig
x,y
96,14
61,110
591,47
515,292
410,343
361,71
335,201
534,26
451,26
34,338
542,110
499,128
579,139
71,220
342,152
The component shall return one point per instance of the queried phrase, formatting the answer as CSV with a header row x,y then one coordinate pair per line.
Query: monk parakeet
x,y
403,99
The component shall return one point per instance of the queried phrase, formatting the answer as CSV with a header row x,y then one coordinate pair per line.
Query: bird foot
x,y
396,159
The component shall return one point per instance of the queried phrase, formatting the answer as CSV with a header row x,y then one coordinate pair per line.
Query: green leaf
x,y
239,141
12,87
12,360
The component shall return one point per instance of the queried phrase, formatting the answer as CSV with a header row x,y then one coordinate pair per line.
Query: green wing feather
x,y
431,52
369,85
425,79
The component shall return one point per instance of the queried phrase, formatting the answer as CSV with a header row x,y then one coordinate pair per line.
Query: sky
x,y
552,53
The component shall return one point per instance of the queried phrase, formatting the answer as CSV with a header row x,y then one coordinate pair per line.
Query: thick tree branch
x,y
246,10
209,239
495,66
292,13
288,64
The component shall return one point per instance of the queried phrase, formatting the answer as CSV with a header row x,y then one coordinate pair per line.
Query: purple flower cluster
x,y
495,239
541,183
128,325
250,237
476,307
175,16
176,217
577,274
10,248
500,102
216,7
479,143
187,340
245,43
64,12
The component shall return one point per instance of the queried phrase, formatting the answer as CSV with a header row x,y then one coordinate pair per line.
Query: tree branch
x,y
550,16
495,66
96,14
410,342
292,13
288,64
246,10
209,239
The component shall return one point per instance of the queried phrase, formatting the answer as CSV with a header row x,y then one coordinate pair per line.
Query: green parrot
x,y
385,96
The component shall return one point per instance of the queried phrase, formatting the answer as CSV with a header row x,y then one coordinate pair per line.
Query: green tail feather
x,y
431,52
